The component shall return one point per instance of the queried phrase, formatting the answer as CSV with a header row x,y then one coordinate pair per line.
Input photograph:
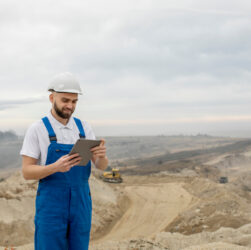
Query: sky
x,y
146,67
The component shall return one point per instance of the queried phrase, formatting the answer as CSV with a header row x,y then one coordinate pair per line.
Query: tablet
x,y
82,147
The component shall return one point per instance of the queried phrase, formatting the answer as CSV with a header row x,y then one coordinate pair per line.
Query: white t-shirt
x,y
36,140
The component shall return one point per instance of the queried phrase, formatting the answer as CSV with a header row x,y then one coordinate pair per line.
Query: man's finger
x,y
73,156
75,160
94,148
102,143
100,151
99,154
98,148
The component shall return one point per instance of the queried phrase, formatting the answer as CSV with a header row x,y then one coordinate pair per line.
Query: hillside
x,y
119,148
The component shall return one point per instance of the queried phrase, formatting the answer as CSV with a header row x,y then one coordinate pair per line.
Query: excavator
x,y
112,176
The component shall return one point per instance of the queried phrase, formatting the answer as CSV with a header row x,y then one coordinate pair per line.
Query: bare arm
x,y
32,171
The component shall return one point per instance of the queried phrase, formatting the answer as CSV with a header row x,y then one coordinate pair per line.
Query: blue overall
x,y
63,202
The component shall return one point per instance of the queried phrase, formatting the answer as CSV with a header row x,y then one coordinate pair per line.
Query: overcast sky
x,y
147,67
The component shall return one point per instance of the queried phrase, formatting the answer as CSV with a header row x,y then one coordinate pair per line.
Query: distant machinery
x,y
112,176
223,179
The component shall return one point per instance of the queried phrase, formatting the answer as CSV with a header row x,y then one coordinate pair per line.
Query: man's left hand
x,y
99,151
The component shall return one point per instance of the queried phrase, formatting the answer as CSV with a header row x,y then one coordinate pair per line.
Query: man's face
x,y
64,103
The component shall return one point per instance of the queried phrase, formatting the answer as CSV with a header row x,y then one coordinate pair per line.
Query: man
x,y
63,201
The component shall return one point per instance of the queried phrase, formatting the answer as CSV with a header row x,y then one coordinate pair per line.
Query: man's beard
x,y
60,112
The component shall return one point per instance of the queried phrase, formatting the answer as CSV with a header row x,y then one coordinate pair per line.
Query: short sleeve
x,y
89,134
31,144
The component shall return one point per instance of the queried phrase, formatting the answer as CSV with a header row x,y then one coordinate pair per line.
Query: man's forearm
x,y
101,163
36,172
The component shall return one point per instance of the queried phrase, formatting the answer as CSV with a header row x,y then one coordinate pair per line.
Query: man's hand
x,y
99,151
32,171
66,162
99,157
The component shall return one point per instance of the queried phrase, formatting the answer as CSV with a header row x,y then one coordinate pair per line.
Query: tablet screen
x,y
82,147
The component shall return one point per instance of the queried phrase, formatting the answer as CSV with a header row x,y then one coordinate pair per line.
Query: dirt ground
x,y
151,208
137,213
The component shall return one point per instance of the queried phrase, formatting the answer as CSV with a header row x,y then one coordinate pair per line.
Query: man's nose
x,y
69,105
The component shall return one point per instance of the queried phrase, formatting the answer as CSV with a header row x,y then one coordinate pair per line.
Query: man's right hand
x,y
66,162
32,171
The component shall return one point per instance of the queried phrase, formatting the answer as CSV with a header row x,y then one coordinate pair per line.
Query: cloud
x,y
135,59
8,104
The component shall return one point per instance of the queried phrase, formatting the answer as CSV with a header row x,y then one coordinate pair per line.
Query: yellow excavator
x,y
112,176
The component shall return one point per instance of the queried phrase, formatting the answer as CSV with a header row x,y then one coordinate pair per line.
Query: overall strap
x,y
49,128
80,127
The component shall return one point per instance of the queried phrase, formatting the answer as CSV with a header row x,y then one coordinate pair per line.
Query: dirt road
x,y
152,207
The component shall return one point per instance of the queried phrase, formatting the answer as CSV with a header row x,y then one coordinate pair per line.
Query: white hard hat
x,y
65,82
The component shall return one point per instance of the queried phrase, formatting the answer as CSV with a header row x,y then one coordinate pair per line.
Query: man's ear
x,y
51,97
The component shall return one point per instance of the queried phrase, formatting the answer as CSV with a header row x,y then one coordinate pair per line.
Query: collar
x,y
58,124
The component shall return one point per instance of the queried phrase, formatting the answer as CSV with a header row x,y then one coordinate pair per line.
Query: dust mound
x,y
16,210
217,206
240,237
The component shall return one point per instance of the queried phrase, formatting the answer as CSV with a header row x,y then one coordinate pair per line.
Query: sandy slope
x,y
152,207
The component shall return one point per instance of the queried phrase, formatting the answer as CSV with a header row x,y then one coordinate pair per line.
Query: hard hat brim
x,y
73,91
